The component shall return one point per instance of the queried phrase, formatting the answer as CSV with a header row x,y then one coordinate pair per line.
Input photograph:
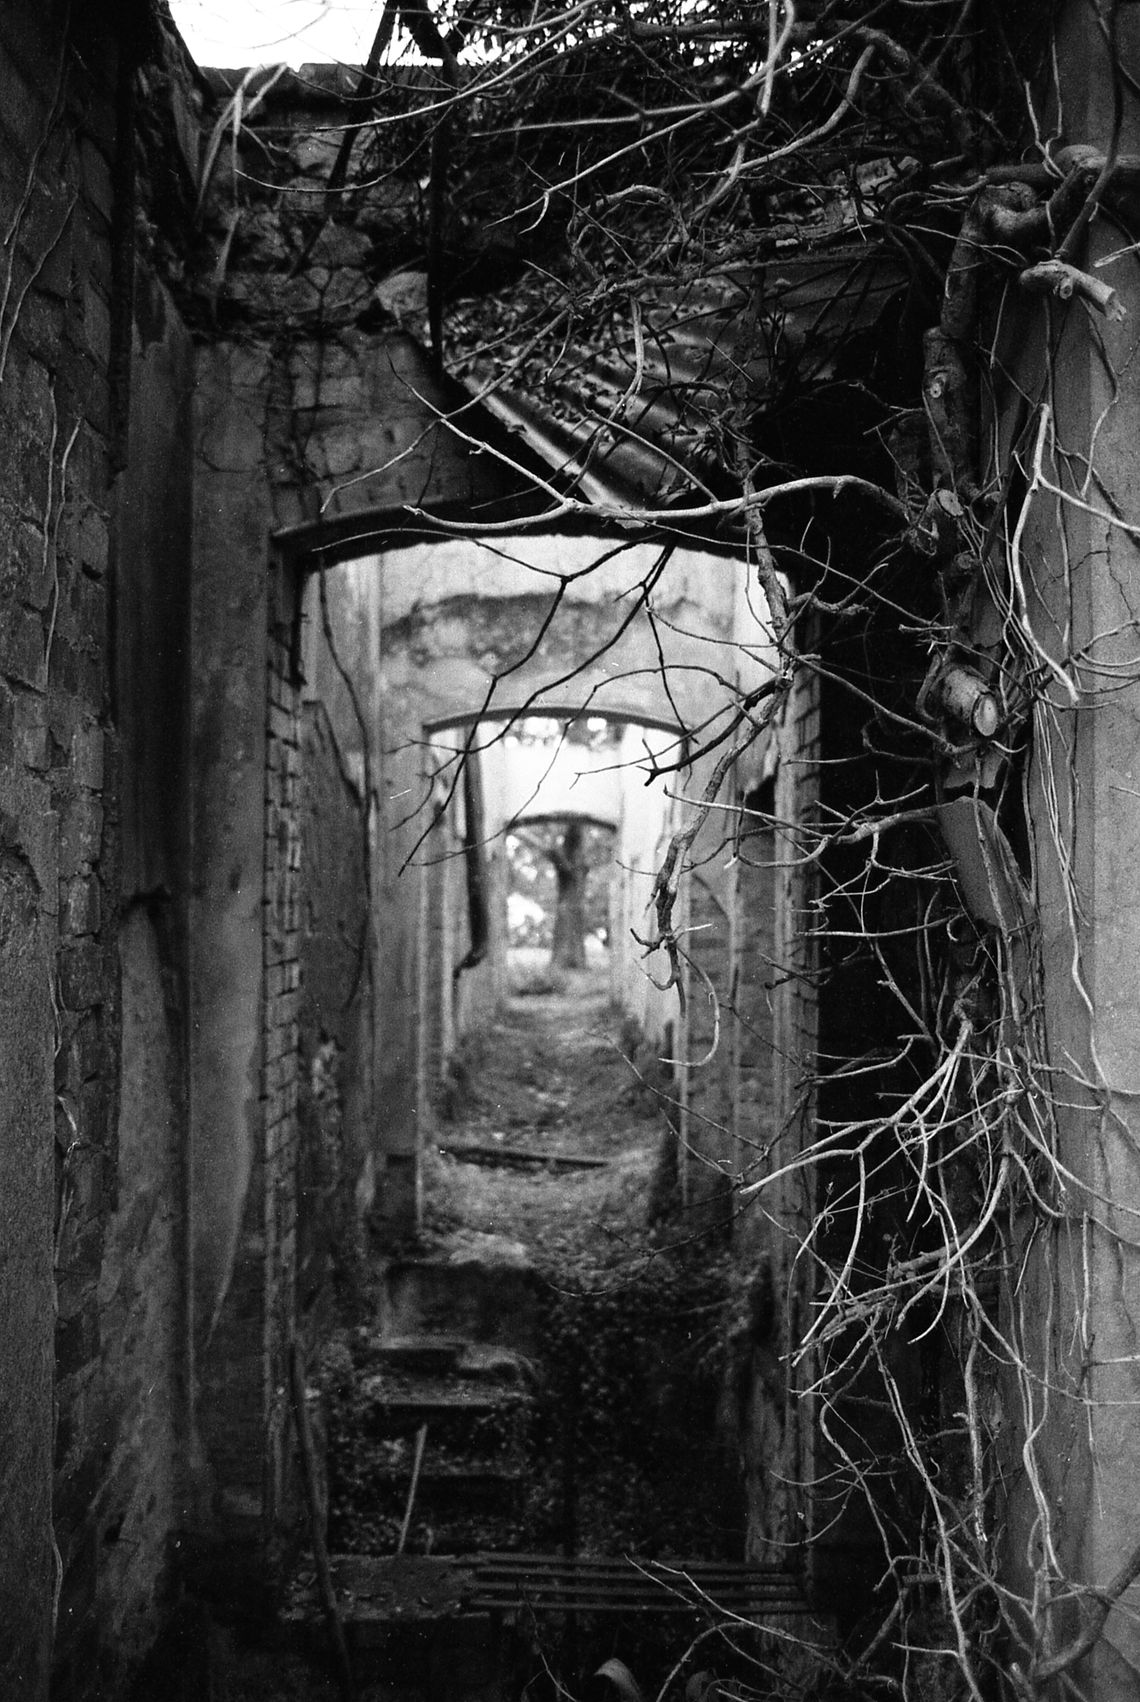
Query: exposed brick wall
x,y
282,902
244,1406
58,816
337,1014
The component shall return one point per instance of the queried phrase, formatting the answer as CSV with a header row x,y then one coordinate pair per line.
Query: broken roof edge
x,y
568,455
335,83
539,477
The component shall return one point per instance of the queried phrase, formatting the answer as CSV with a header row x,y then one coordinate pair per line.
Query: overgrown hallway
x,y
536,1393
552,1122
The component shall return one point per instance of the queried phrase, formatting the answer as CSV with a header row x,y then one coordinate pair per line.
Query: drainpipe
x,y
475,861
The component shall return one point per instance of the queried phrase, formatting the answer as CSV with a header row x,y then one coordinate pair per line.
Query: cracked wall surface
x,y
92,866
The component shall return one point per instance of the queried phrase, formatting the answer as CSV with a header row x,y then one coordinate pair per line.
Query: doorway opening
x,y
537,878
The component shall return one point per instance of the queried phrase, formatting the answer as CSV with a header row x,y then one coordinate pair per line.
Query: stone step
x,y
428,1355
521,1158
461,1502
601,1585
459,1473
478,1416
434,1528
483,1291
443,1355
416,1635
405,1392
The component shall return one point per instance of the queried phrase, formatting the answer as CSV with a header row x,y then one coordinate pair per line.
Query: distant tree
x,y
572,849
571,866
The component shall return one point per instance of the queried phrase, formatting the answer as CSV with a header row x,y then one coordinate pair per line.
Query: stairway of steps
x,y
436,1493
441,1395
441,1603
442,1400
454,1416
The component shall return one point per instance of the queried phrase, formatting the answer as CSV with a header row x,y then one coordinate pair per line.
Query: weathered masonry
x,y
239,633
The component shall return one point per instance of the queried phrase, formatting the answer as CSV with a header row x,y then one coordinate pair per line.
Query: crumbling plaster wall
x,y
1078,1296
94,500
145,1367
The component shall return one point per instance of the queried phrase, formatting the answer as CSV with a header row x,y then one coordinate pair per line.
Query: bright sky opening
x,y
271,32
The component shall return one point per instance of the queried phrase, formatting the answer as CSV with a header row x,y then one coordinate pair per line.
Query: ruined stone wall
x,y
242,1409
145,1368
1075,1311
281,993
735,985
93,372
337,1158
58,1028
